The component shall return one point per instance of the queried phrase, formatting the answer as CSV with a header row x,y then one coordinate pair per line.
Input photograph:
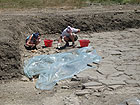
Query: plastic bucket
x,y
84,43
48,43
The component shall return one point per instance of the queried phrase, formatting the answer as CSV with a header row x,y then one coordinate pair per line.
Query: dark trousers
x,y
30,48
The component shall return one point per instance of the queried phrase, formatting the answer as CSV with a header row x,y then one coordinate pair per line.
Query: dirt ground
x,y
112,30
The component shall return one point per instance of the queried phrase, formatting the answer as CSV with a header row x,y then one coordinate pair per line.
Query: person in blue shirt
x,y
32,41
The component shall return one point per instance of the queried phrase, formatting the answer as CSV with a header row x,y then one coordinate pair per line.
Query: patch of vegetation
x,y
56,3
117,1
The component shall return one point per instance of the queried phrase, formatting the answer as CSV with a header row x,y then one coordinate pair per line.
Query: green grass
x,y
56,3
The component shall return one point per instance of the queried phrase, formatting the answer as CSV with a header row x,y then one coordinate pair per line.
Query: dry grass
x,y
117,1
55,3
39,3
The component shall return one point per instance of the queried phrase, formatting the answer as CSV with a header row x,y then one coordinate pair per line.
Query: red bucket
x,y
84,43
48,43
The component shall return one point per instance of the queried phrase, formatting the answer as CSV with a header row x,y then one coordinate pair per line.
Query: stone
x,y
65,87
91,84
97,94
129,72
121,68
133,82
131,67
71,100
136,77
94,87
82,92
75,78
138,67
92,64
25,79
115,86
107,69
113,82
115,53
25,55
116,74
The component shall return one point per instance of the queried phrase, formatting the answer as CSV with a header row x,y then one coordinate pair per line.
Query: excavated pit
x,y
14,29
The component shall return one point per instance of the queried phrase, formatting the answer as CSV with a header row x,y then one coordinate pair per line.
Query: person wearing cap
x,y
68,35
32,41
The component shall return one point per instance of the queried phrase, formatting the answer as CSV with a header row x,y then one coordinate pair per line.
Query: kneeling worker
x,y
32,41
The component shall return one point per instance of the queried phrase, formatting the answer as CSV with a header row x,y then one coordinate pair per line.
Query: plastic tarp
x,y
131,101
56,67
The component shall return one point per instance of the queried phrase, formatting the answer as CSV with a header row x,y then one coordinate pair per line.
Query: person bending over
x,y
68,35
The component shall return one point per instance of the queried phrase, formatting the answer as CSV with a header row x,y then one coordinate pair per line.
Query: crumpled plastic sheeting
x,y
56,67
131,101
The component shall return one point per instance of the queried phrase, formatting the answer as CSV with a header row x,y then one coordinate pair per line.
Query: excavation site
x,y
113,31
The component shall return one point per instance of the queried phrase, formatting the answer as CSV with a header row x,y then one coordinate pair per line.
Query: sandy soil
x,y
115,79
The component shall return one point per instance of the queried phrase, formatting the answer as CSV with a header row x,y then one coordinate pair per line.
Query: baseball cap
x,y
35,35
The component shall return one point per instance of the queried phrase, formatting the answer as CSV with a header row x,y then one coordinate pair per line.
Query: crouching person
x,y
32,41
68,35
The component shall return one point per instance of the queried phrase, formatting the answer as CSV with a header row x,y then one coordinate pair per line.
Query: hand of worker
x,y
58,45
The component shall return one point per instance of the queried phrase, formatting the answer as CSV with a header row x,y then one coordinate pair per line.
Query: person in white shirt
x,y
68,35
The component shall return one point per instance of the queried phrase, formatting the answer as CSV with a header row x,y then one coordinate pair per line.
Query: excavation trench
x,y
15,28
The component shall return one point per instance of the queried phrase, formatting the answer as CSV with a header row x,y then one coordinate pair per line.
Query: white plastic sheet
x,y
56,67
131,101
